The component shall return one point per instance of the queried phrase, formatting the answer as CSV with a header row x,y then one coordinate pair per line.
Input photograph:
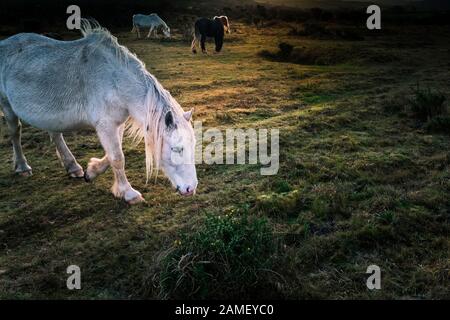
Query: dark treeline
x,y
47,13
50,15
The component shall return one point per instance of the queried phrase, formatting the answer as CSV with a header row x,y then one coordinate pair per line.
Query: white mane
x,y
91,28
158,102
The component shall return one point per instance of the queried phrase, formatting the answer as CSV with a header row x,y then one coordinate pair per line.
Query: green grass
x,y
360,183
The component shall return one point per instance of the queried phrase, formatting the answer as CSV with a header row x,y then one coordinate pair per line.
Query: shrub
x,y
439,124
228,257
279,205
282,186
307,56
427,104
285,49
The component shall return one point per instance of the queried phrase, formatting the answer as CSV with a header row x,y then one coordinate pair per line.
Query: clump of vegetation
x,y
429,107
282,186
228,257
279,205
308,56
285,49
439,124
427,104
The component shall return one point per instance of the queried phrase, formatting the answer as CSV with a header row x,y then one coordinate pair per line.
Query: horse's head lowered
x,y
178,152
166,31
168,135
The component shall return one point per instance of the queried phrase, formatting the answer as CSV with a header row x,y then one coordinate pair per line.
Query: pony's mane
x,y
157,100
102,37
224,20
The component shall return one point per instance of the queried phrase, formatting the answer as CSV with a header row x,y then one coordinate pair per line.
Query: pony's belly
x,y
53,122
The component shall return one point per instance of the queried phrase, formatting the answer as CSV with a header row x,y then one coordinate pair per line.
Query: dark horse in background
x,y
212,28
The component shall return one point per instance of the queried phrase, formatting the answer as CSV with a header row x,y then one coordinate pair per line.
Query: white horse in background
x,y
61,86
151,21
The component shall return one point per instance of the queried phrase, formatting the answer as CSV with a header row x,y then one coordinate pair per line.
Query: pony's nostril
x,y
178,188
188,189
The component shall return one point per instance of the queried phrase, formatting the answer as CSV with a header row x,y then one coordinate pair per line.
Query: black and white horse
x,y
213,28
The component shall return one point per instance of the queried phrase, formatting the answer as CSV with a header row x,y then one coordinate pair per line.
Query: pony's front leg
x,y
111,142
138,33
202,44
194,45
98,166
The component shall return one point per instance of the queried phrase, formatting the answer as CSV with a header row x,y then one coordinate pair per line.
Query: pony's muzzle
x,y
186,191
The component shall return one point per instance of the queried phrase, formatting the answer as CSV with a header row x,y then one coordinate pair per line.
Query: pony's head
x,y
225,22
166,31
169,138
178,152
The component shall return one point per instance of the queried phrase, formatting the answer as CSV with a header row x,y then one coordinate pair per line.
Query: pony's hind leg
x,y
111,141
150,32
68,160
15,127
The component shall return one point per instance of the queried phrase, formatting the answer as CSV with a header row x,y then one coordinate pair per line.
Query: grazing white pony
x,y
94,82
152,21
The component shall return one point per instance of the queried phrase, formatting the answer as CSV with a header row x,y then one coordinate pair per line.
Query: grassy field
x,y
362,181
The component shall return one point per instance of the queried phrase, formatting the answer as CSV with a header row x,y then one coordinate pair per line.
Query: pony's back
x,y
65,79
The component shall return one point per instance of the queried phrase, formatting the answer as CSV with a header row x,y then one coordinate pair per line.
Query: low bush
x,y
228,257
307,56
427,104
280,205
439,124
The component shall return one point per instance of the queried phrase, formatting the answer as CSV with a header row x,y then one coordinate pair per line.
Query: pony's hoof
x,y
136,200
194,51
25,174
78,174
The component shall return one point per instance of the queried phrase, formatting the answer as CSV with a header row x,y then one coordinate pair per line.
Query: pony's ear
x,y
169,120
188,114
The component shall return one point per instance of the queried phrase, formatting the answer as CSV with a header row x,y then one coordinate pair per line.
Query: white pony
x,y
94,82
152,21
